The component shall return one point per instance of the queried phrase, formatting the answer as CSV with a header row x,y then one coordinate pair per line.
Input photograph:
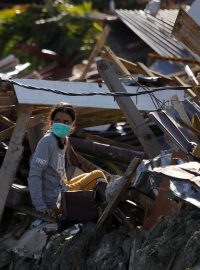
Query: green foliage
x,y
70,36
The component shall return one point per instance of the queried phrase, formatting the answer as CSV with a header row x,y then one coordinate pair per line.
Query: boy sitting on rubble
x,y
47,175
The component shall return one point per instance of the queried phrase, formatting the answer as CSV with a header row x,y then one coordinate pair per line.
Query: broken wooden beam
x,y
6,121
137,123
126,179
13,155
96,50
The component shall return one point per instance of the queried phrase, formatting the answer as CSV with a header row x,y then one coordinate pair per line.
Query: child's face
x,y
63,118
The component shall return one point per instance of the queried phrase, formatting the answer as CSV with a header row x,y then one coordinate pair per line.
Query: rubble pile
x,y
150,216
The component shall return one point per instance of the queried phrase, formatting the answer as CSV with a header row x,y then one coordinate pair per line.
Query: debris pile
x,y
151,217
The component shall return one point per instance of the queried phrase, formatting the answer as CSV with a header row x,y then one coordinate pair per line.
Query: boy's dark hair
x,y
64,108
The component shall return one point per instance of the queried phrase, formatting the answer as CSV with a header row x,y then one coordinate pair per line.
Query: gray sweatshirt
x,y
47,172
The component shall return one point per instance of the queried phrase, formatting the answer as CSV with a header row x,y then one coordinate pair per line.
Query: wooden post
x,y
96,50
128,176
13,155
143,132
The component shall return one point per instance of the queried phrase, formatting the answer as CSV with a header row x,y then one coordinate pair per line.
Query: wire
x,y
116,94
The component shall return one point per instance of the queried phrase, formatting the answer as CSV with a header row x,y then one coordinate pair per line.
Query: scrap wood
x,y
104,140
180,109
192,94
128,176
196,90
10,100
6,121
6,134
136,121
117,63
154,56
180,81
98,116
182,73
133,67
96,50
187,31
146,70
41,110
7,93
13,155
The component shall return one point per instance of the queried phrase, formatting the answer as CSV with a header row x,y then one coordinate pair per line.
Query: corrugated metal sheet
x,y
155,31
40,97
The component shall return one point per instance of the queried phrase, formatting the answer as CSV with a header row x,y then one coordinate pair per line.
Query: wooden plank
x,y
117,63
146,69
7,122
8,100
187,31
137,123
180,109
99,117
130,172
154,56
96,50
100,139
132,67
13,155
36,120
192,94
183,73
180,81
6,134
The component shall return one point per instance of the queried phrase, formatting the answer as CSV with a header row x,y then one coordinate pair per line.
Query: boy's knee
x,y
98,174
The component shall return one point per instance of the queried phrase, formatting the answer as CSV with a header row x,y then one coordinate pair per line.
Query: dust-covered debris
x,y
174,241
